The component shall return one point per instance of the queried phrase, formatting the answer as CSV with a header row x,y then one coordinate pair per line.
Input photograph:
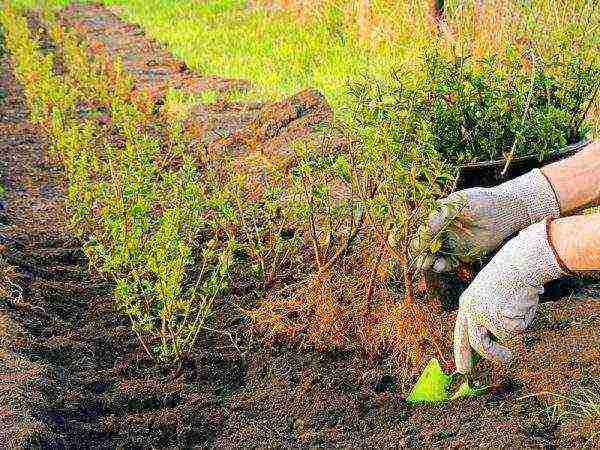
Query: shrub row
x,y
135,197
171,225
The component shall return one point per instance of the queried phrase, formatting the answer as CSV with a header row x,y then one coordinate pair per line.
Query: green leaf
x,y
320,190
465,390
432,385
435,246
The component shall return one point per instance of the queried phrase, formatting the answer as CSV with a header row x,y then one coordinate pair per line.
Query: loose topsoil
x,y
72,374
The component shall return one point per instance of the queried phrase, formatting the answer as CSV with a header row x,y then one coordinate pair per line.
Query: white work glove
x,y
477,220
503,298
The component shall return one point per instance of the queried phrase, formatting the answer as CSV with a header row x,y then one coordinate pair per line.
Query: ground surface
x,y
73,376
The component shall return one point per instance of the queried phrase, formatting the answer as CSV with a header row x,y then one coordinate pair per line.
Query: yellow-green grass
x,y
270,48
31,4
282,51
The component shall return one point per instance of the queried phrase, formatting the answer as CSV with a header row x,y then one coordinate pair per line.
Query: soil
x,y
72,374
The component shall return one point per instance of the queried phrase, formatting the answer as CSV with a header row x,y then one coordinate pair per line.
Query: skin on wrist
x,y
576,180
576,241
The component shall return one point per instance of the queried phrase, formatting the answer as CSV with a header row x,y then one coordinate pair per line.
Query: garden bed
x,y
82,379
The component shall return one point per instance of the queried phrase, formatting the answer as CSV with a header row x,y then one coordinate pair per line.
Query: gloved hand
x,y
476,221
503,298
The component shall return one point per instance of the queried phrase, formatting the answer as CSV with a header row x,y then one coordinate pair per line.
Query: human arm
x,y
576,180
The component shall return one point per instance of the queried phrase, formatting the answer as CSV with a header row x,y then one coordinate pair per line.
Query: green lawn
x,y
269,48
280,56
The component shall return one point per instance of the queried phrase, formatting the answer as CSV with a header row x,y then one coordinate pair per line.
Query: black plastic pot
x,y
489,174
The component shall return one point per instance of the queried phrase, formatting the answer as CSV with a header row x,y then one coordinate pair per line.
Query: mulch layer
x,y
72,374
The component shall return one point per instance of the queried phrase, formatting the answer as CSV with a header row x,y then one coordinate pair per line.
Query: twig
x,y
554,394
373,276
511,154
225,333
313,229
344,249
142,341
589,106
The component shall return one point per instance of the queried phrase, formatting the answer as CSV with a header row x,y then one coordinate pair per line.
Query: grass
x,y
578,411
585,402
31,4
178,104
279,55
284,46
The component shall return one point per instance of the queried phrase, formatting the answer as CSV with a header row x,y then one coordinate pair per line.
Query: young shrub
x,y
515,78
506,106
246,193
169,295
268,239
329,215
135,194
46,95
396,153
153,206
321,201
325,218
357,213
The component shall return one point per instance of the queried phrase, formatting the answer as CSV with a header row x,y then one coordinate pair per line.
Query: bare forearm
x,y
577,242
576,180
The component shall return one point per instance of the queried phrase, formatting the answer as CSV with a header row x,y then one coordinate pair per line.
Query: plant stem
x,y
589,106
409,289
511,155
371,288
351,236
313,229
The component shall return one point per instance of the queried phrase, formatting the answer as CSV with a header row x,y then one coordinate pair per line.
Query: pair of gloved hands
x,y
503,298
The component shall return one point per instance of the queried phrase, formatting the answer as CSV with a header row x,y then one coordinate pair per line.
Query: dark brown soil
x,y
73,376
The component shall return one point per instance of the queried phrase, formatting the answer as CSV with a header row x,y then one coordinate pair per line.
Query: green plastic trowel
x,y
433,386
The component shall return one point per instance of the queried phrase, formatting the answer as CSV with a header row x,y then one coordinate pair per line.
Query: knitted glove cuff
x,y
534,196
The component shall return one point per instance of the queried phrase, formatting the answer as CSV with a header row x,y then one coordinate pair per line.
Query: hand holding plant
x,y
476,221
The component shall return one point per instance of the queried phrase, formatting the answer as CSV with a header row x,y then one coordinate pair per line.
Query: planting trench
x,y
72,374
